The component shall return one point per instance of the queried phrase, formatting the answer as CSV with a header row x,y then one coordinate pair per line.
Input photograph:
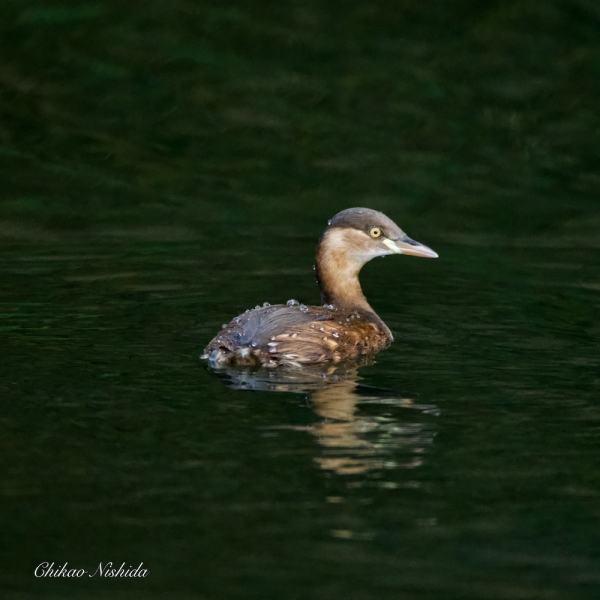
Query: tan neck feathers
x,y
339,260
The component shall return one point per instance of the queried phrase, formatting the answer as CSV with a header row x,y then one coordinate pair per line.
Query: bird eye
x,y
375,232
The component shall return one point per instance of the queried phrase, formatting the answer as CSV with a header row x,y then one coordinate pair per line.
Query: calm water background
x,y
165,166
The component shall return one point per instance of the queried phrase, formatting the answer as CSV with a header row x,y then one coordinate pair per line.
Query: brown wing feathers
x,y
312,335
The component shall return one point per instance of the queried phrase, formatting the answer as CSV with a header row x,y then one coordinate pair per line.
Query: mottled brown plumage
x,y
345,327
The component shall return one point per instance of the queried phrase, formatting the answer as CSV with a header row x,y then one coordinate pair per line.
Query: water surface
x,y
166,167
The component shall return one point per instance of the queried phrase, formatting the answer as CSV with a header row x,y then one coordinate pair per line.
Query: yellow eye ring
x,y
375,232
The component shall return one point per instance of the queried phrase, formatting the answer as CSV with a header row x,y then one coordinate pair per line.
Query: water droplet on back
x,y
303,307
292,302
265,304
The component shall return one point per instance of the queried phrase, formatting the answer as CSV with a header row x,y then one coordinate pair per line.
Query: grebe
x,y
345,326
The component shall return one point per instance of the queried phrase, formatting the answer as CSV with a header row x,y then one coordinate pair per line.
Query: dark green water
x,y
165,166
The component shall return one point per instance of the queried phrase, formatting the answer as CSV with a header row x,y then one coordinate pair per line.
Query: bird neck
x,y
337,272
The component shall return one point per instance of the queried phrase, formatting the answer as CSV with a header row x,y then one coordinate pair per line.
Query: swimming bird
x,y
345,326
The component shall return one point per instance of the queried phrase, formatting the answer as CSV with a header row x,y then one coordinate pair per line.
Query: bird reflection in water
x,y
359,426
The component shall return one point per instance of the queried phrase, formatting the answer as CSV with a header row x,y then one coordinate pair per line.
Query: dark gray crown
x,y
365,218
